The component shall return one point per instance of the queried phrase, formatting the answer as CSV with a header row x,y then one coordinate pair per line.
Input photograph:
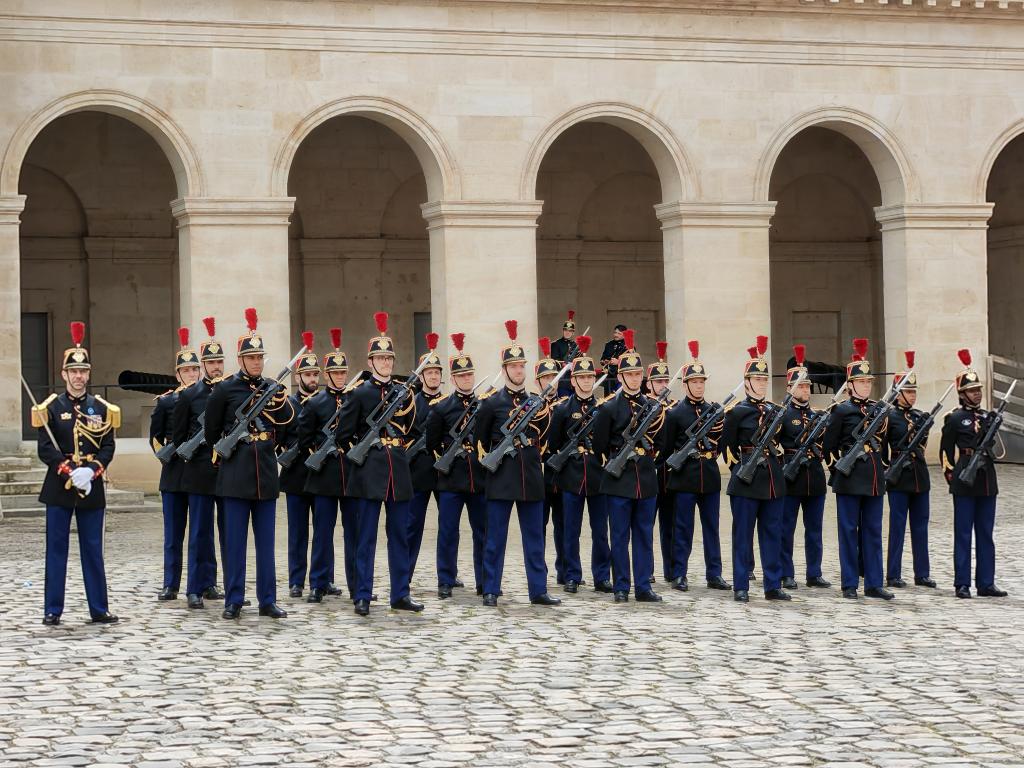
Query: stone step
x,y
18,462
22,475
38,510
20,488
114,497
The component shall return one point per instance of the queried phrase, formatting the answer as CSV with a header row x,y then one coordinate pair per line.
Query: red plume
x,y
458,339
250,318
512,329
572,314
307,340
628,336
545,346
211,326
860,347
336,337
910,355
965,356
662,347
762,345
583,342
77,333
694,346
432,339
381,319
752,351
183,336
799,350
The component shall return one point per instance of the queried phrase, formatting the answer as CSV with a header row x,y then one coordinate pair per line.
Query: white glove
x,y
87,489
82,477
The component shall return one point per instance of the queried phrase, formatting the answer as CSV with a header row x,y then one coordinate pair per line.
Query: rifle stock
x,y
867,429
969,474
616,465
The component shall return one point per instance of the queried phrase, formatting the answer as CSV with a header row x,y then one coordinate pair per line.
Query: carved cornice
x,y
232,211
737,215
934,216
482,213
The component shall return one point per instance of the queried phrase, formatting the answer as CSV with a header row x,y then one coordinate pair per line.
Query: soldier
x,y
632,498
463,485
908,494
614,347
859,496
544,371
174,499
421,460
247,480
294,476
697,484
807,490
580,478
757,503
518,479
384,477
974,504
564,350
658,376
199,475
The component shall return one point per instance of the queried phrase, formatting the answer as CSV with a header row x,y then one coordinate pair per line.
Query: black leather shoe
x,y
444,592
334,590
273,611
167,594
650,596
604,586
622,597
232,611
925,581
880,592
719,583
212,593
819,582
479,590
407,604
964,593
741,596
104,618
458,584
294,591
245,603
545,599
491,600
777,594
789,582
361,607
196,601
51,619
896,583
572,587
850,593
991,591
316,596
373,598
679,584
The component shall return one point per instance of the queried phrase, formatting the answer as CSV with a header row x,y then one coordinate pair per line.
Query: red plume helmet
x,y
432,339
694,346
250,318
458,339
583,342
307,340
211,326
762,345
965,357
910,355
662,347
572,314
799,351
512,329
381,319
752,351
628,337
336,338
77,333
545,346
860,348
183,336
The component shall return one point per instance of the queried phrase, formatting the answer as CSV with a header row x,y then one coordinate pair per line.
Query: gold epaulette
x,y
438,399
559,400
732,405
354,383
41,412
606,398
113,413
216,380
485,395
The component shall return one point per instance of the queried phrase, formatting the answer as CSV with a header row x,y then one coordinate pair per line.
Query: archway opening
x,y
1006,253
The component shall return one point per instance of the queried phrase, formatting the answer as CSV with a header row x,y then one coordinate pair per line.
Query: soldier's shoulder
x,y
606,398
488,394
41,411
438,399
113,411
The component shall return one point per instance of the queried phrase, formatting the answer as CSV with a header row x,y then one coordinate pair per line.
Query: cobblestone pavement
x,y
925,679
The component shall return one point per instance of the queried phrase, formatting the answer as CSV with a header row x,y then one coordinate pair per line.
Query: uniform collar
x,y
800,406
243,376
859,400
333,391
430,395
693,402
76,400
755,401
379,381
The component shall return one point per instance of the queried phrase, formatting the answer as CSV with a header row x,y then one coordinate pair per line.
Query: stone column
x,y
716,283
233,254
11,392
935,287
483,271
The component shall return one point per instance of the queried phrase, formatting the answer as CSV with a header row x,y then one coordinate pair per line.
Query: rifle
x,y
329,431
579,432
380,416
225,447
756,457
637,429
458,436
188,449
970,472
699,430
868,427
812,433
166,452
912,440
517,422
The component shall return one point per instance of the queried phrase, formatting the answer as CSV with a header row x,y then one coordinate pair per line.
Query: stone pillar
x,y
716,284
935,287
11,392
233,254
483,271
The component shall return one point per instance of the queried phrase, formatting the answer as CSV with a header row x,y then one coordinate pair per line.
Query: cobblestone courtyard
x,y
923,680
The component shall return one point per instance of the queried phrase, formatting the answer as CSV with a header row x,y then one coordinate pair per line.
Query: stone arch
x,y
995,150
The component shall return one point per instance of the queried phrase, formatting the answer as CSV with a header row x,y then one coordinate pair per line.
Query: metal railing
x,y
1001,373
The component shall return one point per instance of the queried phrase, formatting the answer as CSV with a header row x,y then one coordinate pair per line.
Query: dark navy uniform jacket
x,y
161,432
84,430
639,480
743,424
699,474
962,430
251,471
810,480
318,411
199,475
467,476
914,477
519,477
868,475
583,473
421,466
293,477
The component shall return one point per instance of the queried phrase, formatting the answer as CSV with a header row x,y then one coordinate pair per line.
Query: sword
x,y
49,432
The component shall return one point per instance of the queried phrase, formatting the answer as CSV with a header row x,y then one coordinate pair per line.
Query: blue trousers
x,y
682,533
553,512
902,505
531,526
417,521
449,514
350,536
977,515
814,515
666,515
175,509
90,549
300,509
237,514
321,558
860,539
600,549
202,552
632,523
766,516
396,527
